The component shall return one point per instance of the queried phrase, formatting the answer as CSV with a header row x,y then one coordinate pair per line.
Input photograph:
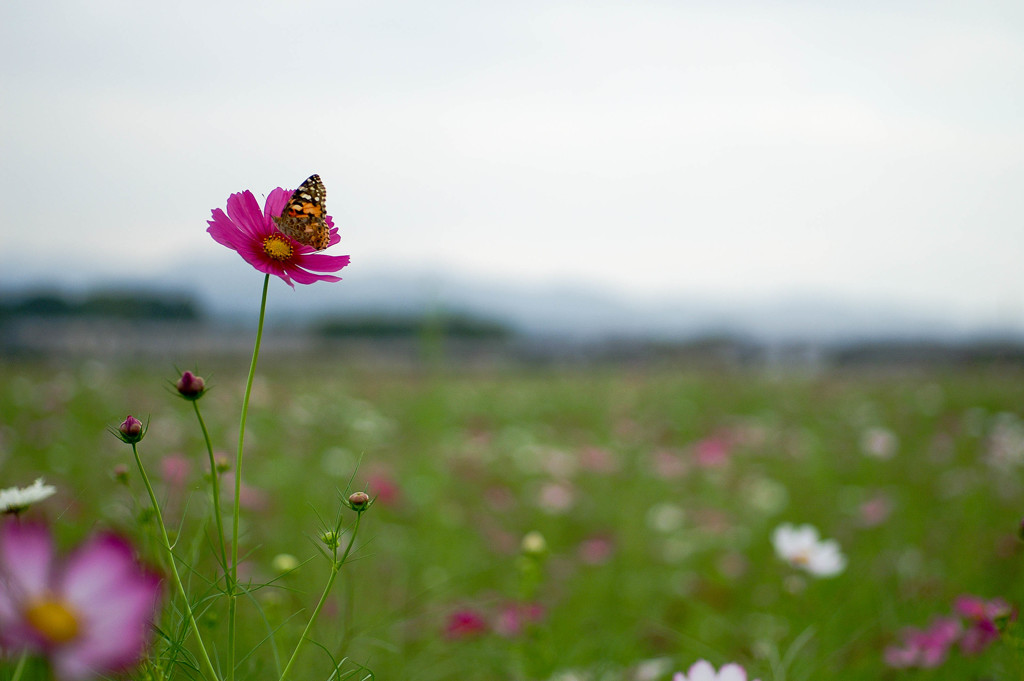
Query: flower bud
x,y
190,386
358,501
131,431
330,539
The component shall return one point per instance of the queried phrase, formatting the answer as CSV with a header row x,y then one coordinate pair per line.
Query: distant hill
x,y
227,290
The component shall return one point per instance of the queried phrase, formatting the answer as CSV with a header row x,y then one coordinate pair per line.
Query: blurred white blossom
x,y
801,547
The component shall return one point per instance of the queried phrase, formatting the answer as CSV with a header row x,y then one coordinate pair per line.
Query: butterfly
x,y
303,218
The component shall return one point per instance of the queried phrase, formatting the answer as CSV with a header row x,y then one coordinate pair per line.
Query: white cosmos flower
x,y
703,671
801,547
17,499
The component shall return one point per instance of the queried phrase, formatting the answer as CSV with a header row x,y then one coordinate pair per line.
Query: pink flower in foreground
x,y
250,230
926,648
89,615
981,616
703,671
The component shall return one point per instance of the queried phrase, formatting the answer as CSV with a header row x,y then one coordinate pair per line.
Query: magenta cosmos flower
x,y
925,648
89,615
250,230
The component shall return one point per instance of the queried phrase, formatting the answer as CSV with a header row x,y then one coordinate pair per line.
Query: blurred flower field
x,y
607,523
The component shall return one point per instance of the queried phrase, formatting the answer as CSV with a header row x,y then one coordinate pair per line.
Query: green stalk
x,y
215,478
335,568
212,673
21,665
233,581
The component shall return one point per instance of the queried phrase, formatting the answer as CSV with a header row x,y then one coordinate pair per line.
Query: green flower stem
x,y
21,665
233,581
335,568
210,671
215,483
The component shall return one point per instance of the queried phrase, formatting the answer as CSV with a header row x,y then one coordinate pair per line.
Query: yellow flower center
x,y
277,247
801,558
53,619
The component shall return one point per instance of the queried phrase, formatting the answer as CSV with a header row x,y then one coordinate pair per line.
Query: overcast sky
x,y
862,149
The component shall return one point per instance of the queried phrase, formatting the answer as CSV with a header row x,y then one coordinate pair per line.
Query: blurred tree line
x,y
104,304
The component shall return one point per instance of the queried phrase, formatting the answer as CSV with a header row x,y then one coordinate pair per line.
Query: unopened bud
x,y
190,386
131,430
330,539
358,501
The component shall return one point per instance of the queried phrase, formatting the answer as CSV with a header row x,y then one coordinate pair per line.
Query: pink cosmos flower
x,y
515,616
712,452
89,615
926,648
251,232
981,616
467,623
384,487
596,550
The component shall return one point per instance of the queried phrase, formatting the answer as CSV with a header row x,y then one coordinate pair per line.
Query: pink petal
x,y
277,199
324,263
116,636
26,554
245,212
225,232
96,571
303,277
116,601
284,272
253,253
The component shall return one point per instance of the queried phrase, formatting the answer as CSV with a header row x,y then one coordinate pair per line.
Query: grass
x,y
649,554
